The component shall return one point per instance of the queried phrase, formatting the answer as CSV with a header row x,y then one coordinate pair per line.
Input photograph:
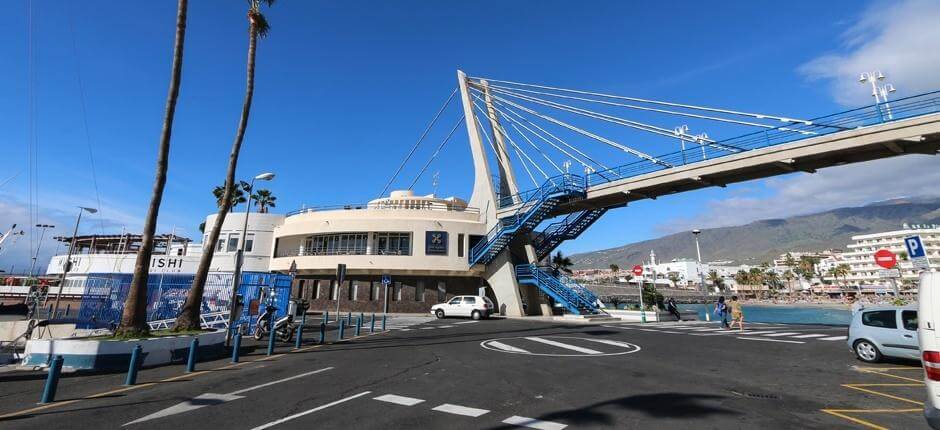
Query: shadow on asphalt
x,y
655,406
68,410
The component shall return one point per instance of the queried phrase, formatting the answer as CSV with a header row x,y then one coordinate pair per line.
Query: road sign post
x,y
885,258
340,278
638,272
386,281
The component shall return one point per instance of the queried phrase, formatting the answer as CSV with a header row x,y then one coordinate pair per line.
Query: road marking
x,y
860,387
834,338
466,322
789,333
398,400
212,399
440,326
745,332
460,410
841,414
533,423
564,345
707,329
612,342
509,348
428,328
805,336
769,340
310,411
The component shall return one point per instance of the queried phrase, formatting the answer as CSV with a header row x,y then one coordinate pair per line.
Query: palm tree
x,y
716,280
264,199
237,198
843,270
561,262
789,276
772,279
189,314
134,316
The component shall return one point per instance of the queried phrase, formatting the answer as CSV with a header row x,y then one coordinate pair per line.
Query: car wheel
x,y
439,313
867,351
476,315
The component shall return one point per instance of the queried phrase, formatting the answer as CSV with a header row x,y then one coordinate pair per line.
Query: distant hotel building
x,y
861,260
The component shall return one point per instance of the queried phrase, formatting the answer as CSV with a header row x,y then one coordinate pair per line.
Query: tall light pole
x,y
237,275
873,78
42,234
681,131
698,255
68,258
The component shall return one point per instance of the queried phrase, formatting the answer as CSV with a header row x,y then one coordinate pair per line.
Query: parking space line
x,y
466,322
860,387
460,410
398,400
504,347
806,336
769,340
564,345
841,414
533,423
894,376
612,342
789,333
310,411
834,338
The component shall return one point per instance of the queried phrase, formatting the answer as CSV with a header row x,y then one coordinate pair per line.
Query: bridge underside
x,y
919,135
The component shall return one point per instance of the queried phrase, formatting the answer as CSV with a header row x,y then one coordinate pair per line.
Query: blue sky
x,y
344,89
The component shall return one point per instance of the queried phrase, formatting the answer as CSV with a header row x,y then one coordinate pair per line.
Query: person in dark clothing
x,y
673,309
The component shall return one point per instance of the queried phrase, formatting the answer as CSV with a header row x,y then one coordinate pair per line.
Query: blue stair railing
x,y
537,205
568,297
568,228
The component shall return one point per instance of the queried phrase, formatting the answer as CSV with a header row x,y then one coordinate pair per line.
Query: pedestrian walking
x,y
673,309
737,313
721,312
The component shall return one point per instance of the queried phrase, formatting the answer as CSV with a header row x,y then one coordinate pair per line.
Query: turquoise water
x,y
786,314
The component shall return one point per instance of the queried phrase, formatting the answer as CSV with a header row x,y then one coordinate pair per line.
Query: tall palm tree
x,y
189,314
134,316
716,280
561,262
264,199
789,276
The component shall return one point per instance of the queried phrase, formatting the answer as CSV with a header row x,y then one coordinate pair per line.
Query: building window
x,y
232,243
220,246
249,242
374,291
460,245
396,292
336,244
419,292
388,243
353,290
316,294
334,292
441,292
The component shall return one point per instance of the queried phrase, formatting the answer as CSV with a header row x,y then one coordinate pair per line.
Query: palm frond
x,y
259,22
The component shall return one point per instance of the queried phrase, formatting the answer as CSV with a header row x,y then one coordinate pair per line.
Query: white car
x,y
476,307
884,331
927,334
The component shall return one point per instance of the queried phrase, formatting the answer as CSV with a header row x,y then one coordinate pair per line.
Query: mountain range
x,y
762,241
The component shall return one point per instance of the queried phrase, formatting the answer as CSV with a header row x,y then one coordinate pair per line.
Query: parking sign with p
x,y
916,252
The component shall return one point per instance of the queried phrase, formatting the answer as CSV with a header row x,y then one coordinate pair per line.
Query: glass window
x,y
460,245
909,319
885,319
353,290
249,242
232,243
319,285
387,243
469,300
334,292
454,301
336,244
374,291
220,246
419,292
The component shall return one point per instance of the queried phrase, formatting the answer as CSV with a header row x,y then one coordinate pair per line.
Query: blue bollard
x,y
52,381
272,334
322,333
372,323
349,318
383,322
300,334
342,327
133,366
236,346
358,326
191,362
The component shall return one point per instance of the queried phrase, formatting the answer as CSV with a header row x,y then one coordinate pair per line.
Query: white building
x,y
861,259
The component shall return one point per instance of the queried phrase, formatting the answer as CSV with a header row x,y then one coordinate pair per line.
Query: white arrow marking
x,y
211,399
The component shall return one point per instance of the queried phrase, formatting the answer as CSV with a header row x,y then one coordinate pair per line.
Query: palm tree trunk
x,y
189,315
134,317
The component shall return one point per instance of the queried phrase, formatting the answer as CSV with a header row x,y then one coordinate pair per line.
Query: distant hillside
x,y
763,240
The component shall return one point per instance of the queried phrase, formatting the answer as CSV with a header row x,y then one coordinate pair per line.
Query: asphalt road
x,y
460,374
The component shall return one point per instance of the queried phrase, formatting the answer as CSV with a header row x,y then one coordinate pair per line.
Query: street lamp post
x,y
236,278
873,78
68,258
701,274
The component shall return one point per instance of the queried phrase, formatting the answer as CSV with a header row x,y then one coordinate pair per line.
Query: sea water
x,y
791,314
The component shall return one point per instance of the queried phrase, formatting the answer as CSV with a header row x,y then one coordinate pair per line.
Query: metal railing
x,y
904,108
441,207
317,252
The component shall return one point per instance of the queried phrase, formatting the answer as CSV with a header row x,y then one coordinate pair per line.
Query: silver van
x,y
884,331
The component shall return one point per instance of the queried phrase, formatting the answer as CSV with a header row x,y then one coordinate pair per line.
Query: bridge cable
x,y
498,127
651,109
420,139
524,166
537,149
601,139
435,154
624,122
635,99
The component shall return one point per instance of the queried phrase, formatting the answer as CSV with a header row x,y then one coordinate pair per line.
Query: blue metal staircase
x,y
568,228
578,300
536,207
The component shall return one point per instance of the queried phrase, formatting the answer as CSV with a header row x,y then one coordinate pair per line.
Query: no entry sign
x,y
638,270
886,259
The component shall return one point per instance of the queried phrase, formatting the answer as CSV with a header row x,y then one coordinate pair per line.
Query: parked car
x,y
476,307
884,331
927,335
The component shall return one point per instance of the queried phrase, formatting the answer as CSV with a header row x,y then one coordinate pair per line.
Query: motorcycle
x,y
284,327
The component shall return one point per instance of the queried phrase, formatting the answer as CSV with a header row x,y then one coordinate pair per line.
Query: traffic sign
x,y
886,259
917,252
386,279
638,270
889,273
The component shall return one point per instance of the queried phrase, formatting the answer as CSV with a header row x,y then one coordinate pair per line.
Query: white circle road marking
x,y
511,345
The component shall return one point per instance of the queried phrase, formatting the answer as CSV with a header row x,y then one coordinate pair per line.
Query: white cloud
x,y
898,38
844,186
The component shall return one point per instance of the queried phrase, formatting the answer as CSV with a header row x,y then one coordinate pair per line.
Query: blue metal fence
x,y
105,293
